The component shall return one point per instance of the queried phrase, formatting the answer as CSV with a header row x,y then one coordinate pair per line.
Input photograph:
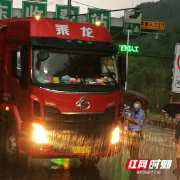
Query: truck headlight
x,y
115,136
39,133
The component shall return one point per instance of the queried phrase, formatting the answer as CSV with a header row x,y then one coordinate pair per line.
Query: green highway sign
x,y
132,23
33,9
135,29
104,17
38,0
61,12
5,9
125,48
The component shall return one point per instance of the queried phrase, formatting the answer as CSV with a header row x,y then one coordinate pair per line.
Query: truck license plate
x,y
81,149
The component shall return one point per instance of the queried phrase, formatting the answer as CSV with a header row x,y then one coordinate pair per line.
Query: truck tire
x,y
1,143
10,149
8,140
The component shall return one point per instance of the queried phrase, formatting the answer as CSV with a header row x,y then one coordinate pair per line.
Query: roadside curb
x,y
157,127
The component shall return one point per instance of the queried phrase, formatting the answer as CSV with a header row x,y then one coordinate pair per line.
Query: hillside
x,y
152,76
163,10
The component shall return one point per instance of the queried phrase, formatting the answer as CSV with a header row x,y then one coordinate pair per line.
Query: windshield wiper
x,y
111,74
77,74
82,82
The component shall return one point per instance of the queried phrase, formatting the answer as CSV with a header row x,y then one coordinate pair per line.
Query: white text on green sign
x,y
61,12
129,48
33,9
96,15
5,9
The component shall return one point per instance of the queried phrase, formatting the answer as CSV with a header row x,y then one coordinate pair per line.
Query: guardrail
x,y
163,122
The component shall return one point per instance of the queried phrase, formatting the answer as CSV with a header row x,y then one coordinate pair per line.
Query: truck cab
x,y
60,89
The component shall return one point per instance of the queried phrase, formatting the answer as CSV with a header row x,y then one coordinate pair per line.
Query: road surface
x,y
157,144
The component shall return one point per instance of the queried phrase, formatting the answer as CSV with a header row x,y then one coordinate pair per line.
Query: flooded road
x,y
157,144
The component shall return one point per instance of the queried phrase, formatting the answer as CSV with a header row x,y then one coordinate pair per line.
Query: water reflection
x,y
110,168
157,144
58,173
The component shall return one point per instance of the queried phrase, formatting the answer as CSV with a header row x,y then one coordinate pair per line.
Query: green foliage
x,y
163,10
150,77
153,76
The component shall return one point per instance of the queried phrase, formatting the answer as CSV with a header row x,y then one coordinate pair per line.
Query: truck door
x,y
21,92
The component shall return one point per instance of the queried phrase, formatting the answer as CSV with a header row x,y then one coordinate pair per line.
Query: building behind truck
x,y
60,92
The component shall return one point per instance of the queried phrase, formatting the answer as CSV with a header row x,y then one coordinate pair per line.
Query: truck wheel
x,y
10,146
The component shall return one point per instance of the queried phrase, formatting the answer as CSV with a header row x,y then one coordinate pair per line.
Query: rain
x,y
75,106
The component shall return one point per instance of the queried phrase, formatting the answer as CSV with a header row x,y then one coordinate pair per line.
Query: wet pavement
x,y
157,144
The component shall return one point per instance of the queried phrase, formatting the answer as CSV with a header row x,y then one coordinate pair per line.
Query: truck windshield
x,y
75,67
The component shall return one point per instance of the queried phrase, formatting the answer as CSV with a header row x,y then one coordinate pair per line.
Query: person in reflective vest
x,y
135,122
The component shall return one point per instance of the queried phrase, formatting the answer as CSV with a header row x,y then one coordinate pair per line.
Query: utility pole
x,y
127,57
69,10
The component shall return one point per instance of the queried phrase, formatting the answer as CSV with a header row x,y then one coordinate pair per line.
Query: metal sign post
x,y
132,26
127,57
69,10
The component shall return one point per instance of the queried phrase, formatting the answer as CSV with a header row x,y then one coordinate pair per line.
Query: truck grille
x,y
66,131
53,114
64,142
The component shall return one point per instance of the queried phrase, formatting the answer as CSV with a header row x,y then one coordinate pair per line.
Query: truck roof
x,y
46,27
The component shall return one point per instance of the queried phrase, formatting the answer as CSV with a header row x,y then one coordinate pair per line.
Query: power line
x,y
141,39
85,4
116,34
136,38
133,41
151,56
104,11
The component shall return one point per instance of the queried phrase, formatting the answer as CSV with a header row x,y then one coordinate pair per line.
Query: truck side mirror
x,y
42,55
122,69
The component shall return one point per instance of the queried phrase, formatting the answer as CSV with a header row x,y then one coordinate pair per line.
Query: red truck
x,y
60,90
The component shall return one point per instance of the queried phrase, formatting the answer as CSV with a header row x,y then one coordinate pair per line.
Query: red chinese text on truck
x,y
59,90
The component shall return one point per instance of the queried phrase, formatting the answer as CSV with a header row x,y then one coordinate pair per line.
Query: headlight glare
x,y
39,133
115,136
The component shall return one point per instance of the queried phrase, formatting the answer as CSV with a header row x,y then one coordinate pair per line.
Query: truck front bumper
x,y
36,150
